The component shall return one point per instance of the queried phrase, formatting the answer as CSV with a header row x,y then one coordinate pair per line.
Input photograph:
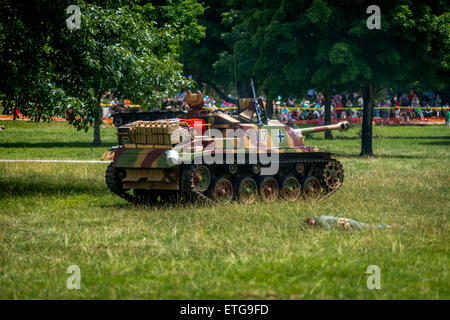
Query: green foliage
x,y
198,58
133,50
290,46
25,56
319,13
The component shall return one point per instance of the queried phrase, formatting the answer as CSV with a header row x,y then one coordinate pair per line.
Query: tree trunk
x,y
98,122
269,108
366,138
13,107
327,104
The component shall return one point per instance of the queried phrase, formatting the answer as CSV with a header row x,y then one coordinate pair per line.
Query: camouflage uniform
x,y
329,222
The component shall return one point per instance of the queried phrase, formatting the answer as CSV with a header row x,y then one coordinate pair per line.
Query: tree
x,y
198,58
410,48
130,49
293,45
26,81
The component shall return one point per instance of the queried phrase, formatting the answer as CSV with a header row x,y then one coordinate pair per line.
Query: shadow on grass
x,y
384,138
381,156
437,143
46,188
72,144
409,124
419,137
167,204
126,205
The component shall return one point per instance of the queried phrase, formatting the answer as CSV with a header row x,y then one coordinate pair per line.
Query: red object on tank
x,y
198,125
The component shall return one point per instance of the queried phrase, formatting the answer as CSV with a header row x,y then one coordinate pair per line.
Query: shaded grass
x,y
55,140
56,215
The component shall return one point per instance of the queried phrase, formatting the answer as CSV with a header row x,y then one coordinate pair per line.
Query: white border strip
x,y
59,161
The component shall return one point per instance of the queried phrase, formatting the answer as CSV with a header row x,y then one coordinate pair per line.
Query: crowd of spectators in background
x,y
405,106
349,106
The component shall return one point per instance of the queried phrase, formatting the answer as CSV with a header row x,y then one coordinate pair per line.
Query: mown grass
x,y
55,140
56,215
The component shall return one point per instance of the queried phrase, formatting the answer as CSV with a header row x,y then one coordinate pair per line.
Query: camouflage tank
x,y
255,158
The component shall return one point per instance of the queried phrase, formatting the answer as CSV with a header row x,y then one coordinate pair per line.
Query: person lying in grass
x,y
329,222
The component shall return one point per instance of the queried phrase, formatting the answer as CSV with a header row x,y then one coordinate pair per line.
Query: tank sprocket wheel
x,y
333,175
114,183
312,190
268,188
246,190
201,178
188,186
222,190
290,188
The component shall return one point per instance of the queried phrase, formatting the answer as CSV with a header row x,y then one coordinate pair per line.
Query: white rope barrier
x,y
58,161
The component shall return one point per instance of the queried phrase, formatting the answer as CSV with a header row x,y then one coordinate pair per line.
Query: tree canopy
x,y
290,46
128,48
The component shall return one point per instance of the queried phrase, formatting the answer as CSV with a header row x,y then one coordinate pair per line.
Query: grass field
x,y
56,215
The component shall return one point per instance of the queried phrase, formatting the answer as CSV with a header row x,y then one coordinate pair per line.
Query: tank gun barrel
x,y
341,126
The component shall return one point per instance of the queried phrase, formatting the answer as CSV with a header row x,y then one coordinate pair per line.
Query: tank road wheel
x,y
290,188
268,188
222,190
311,188
201,178
247,190
333,175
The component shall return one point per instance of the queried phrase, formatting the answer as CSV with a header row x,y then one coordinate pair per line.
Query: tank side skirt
x,y
287,158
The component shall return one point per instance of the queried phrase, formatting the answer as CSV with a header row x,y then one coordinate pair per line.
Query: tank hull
x,y
142,173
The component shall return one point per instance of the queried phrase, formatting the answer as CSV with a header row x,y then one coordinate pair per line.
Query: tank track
x,y
309,161
188,188
187,182
189,192
115,185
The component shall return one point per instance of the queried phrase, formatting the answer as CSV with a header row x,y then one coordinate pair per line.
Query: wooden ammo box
x,y
154,134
